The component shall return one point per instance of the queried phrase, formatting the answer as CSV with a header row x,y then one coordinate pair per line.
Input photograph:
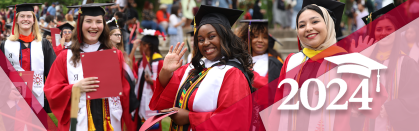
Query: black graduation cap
x,y
24,7
253,21
92,9
334,8
8,26
65,26
272,41
372,16
46,32
112,24
210,14
190,33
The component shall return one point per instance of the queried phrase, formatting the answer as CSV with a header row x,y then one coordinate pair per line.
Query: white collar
x,y
90,48
260,57
67,44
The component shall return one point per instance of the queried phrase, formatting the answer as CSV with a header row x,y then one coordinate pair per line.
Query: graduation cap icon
x,y
357,64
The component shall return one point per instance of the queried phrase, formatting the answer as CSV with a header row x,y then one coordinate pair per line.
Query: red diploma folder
x,y
104,65
154,119
27,77
55,36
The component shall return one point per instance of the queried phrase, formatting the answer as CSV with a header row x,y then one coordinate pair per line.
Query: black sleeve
x,y
274,69
49,56
2,46
403,112
133,101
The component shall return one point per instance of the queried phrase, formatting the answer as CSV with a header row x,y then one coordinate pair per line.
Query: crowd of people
x,y
211,88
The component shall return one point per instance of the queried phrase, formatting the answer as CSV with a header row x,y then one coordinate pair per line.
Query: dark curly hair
x,y
232,47
256,29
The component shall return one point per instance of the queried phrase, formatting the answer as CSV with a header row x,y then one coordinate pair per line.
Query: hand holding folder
x,y
104,65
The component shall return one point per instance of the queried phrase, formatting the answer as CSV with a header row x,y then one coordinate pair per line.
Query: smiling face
x,y
311,28
259,43
209,42
384,32
92,28
25,20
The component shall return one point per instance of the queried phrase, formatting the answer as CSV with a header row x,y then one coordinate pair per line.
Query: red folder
x,y
154,119
104,65
55,36
27,77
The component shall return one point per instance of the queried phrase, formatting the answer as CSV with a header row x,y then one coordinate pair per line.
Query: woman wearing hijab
x,y
316,32
26,50
90,35
201,90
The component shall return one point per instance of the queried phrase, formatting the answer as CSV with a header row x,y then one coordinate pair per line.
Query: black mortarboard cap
x,y
210,14
334,8
46,32
372,16
190,33
272,41
112,24
24,7
92,9
9,26
65,26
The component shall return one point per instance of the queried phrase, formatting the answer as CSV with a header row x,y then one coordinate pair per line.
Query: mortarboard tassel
x,y
194,26
14,21
378,81
78,26
248,37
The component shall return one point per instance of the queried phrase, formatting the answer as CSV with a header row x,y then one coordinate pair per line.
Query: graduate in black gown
x,y
27,50
267,62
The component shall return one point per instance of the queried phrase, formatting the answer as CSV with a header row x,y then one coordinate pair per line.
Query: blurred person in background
x,y
175,27
51,10
149,20
70,20
296,8
163,16
36,11
349,12
187,11
222,3
168,3
60,20
44,9
362,12
49,22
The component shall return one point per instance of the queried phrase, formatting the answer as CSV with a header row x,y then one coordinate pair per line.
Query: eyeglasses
x,y
67,32
117,35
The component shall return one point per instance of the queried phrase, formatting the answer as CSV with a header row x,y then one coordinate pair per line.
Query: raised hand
x,y
362,44
173,60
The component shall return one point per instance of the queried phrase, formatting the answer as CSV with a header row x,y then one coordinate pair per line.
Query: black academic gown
x,y
49,58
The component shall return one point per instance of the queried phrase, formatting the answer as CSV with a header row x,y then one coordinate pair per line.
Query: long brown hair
x,y
75,46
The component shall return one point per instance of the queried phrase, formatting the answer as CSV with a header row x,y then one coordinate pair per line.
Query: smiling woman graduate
x,y
27,51
209,85
90,35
